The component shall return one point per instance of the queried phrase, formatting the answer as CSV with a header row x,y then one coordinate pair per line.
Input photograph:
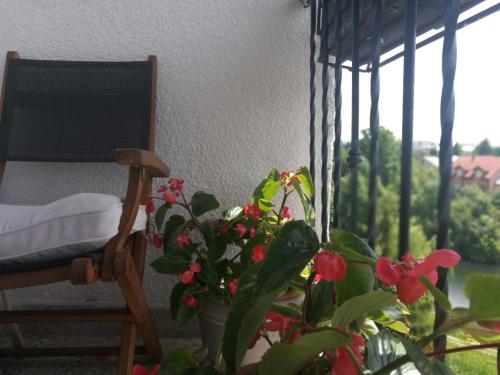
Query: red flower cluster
x,y
329,267
406,274
189,300
140,370
182,241
342,363
241,229
285,214
157,241
150,206
252,211
172,192
258,253
233,286
286,326
187,277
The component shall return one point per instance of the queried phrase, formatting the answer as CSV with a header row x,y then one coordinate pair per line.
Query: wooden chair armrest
x,y
138,158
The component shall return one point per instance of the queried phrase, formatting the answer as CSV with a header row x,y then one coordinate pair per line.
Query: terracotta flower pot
x,y
213,317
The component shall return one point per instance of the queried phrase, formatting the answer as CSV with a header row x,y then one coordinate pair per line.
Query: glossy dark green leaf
x,y
173,227
343,239
232,213
184,314
202,203
359,280
287,256
425,365
217,248
175,299
358,306
170,264
287,359
320,301
267,189
383,348
244,318
160,215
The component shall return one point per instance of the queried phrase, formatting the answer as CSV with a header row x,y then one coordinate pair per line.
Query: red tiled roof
x,y
488,164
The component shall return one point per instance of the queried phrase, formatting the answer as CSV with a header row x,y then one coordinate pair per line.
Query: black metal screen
x,y
74,111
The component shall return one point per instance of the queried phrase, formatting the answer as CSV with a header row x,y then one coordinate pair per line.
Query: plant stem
x,y
283,201
266,337
236,256
307,295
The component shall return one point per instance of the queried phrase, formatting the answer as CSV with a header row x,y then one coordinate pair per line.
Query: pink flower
x,y
284,178
406,274
251,233
252,211
150,206
195,267
284,214
187,277
258,253
241,229
169,197
157,241
342,363
233,286
176,184
182,241
162,189
190,300
140,370
386,272
277,322
329,267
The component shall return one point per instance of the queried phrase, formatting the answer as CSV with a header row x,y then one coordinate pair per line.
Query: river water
x,y
456,280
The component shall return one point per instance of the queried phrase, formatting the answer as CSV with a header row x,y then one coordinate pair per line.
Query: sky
x,y
477,88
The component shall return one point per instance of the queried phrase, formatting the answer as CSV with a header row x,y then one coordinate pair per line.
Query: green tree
x,y
483,148
457,149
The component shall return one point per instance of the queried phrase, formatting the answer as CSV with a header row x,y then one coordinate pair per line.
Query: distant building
x,y
483,171
425,146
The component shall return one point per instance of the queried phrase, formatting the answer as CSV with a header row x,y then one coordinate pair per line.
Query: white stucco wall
x,y
232,98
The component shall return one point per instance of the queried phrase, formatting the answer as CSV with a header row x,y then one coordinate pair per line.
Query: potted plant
x,y
209,253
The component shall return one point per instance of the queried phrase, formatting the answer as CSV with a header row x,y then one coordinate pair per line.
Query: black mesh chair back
x,y
73,111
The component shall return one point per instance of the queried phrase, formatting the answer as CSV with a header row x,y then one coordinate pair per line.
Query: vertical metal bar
x,y
449,63
407,137
374,123
335,221
312,91
324,124
354,153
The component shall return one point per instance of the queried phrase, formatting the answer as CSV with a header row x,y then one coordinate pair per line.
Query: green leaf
x,y
217,248
305,180
481,333
483,290
203,202
173,222
184,314
423,364
267,189
287,255
170,264
286,359
178,360
232,213
358,280
383,348
286,311
244,318
439,296
160,215
359,306
175,299
342,239
307,205
320,301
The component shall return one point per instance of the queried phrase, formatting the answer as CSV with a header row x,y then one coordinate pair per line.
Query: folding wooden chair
x,y
72,111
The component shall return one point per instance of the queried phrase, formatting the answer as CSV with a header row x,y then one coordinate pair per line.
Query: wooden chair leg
x,y
127,349
131,286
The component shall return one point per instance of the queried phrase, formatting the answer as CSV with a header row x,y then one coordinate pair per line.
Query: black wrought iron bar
x,y
337,163
449,63
374,123
312,92
324,124
469,21
354,153
407,134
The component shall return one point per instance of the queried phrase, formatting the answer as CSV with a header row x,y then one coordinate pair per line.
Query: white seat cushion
x,y
66,228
